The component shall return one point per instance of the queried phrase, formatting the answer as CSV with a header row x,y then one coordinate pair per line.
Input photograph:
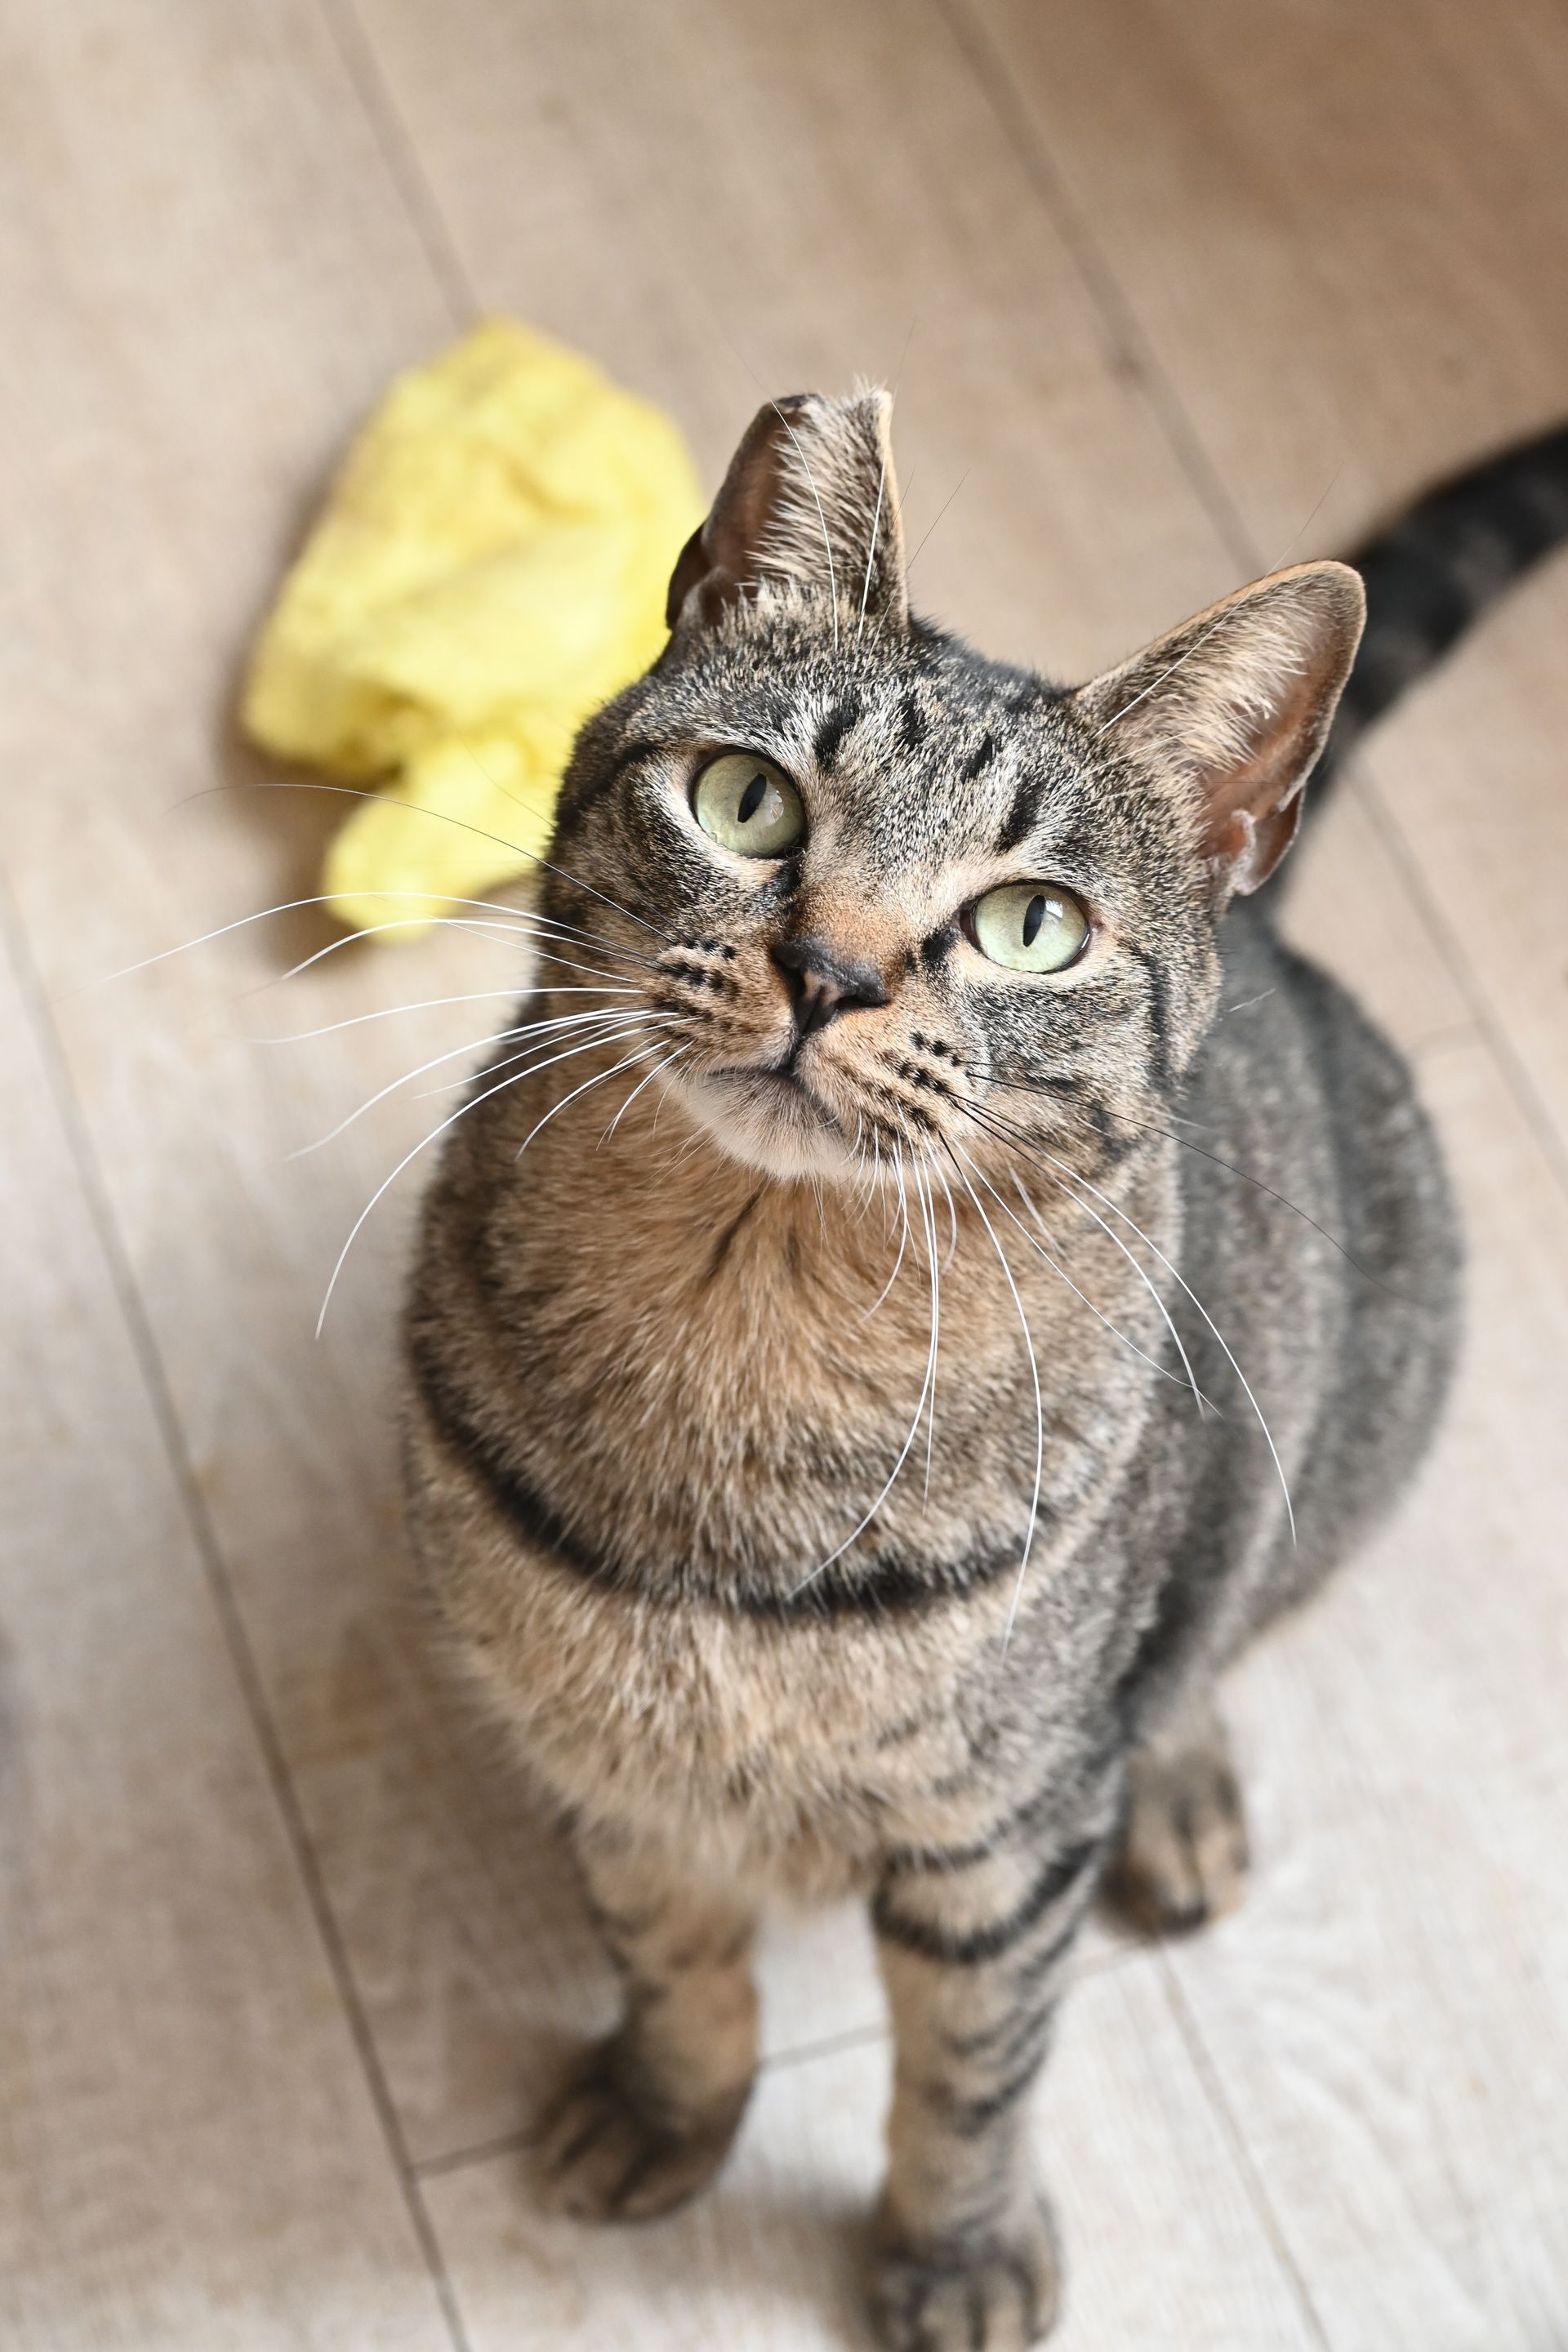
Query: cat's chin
x,y
773,1122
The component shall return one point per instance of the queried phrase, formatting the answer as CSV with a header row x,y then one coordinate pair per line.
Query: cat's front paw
x,y
603,2153
1183,1858
999,2296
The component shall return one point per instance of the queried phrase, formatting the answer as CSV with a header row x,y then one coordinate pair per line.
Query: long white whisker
x,y
928,1214
658,1070
472,1046
887,1489
513,848
519,923
427,1005
1142,1272
598,1080
1175,1273
610,1023
1039,1408
1060,1271
904,1242
316,898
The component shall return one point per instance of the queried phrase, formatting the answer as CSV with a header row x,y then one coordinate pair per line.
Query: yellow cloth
x,y
490,567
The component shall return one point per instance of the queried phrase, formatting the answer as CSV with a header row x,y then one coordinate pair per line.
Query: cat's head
x,y
900,898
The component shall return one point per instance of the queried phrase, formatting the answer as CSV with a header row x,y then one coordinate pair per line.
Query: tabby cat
x,y
849,1461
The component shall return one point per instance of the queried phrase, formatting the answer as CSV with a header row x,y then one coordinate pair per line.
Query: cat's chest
x,y
756,1383
756,1401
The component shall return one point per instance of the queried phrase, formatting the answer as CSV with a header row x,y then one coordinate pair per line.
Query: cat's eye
x,y
1030,926
746,804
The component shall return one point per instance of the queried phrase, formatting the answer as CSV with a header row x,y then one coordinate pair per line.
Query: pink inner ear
x,y
1254,806
1255,802
1254,798
1247,848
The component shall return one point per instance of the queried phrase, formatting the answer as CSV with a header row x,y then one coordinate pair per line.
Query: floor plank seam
x,y
1515,1076
1451,1040
417,197
1248,2169
1127,349
236,1638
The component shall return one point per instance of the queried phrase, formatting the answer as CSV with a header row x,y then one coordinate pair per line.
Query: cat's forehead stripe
x,y
833,728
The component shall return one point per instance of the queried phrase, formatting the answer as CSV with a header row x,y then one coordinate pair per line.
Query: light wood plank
x,y
1476,775
1340,228
1390,2012
1340,231
189,2154
1347,903
1164,2248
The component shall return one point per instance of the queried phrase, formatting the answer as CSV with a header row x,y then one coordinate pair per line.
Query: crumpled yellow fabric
x,y
490,566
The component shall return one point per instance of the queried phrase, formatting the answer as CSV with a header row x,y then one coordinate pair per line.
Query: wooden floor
x,y
1174,289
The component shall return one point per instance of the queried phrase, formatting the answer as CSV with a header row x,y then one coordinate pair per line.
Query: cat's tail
x,y
1434,572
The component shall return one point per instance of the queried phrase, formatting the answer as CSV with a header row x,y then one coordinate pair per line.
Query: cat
x,y
850,1461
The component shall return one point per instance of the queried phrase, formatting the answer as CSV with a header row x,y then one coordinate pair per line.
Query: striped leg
x,y
975,1946
649,2119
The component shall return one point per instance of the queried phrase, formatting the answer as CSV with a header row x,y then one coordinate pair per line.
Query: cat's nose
x,y
824,982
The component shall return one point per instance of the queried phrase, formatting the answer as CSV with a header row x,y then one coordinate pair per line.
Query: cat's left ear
x,y
1239,701
809,504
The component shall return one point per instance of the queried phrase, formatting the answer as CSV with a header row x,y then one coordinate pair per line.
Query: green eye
x,y
1030,926
748,805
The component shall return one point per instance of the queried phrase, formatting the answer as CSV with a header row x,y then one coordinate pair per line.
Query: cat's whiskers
x,y
926,1385
1072,1176
999,1128
1151,1127
1202,1403
1059,1270
598,1079
429,1004
470,1045
521,923
515,921
608,1024
462,1111
1247,1389
1035,1376
513,848
936,1271
903,1238
657,1071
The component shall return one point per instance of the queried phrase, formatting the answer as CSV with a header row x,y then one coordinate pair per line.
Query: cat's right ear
x,y
808,508
1238,703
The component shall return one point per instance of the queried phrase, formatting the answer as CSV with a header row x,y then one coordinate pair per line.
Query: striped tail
x,y
1439,568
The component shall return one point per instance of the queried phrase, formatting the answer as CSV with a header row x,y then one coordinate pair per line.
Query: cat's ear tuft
x,y
808,507
1239,701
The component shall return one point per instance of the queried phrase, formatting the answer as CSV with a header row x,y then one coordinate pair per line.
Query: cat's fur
x,y
661,1371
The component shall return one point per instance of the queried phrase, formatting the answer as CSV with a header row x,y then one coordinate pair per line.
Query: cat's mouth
x,y
773,1118
783,1093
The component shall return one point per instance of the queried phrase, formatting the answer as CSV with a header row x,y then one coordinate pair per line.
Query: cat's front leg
x,y
648,2117
975,1946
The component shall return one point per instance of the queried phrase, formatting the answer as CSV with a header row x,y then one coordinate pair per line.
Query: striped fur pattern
x,y
846,1457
